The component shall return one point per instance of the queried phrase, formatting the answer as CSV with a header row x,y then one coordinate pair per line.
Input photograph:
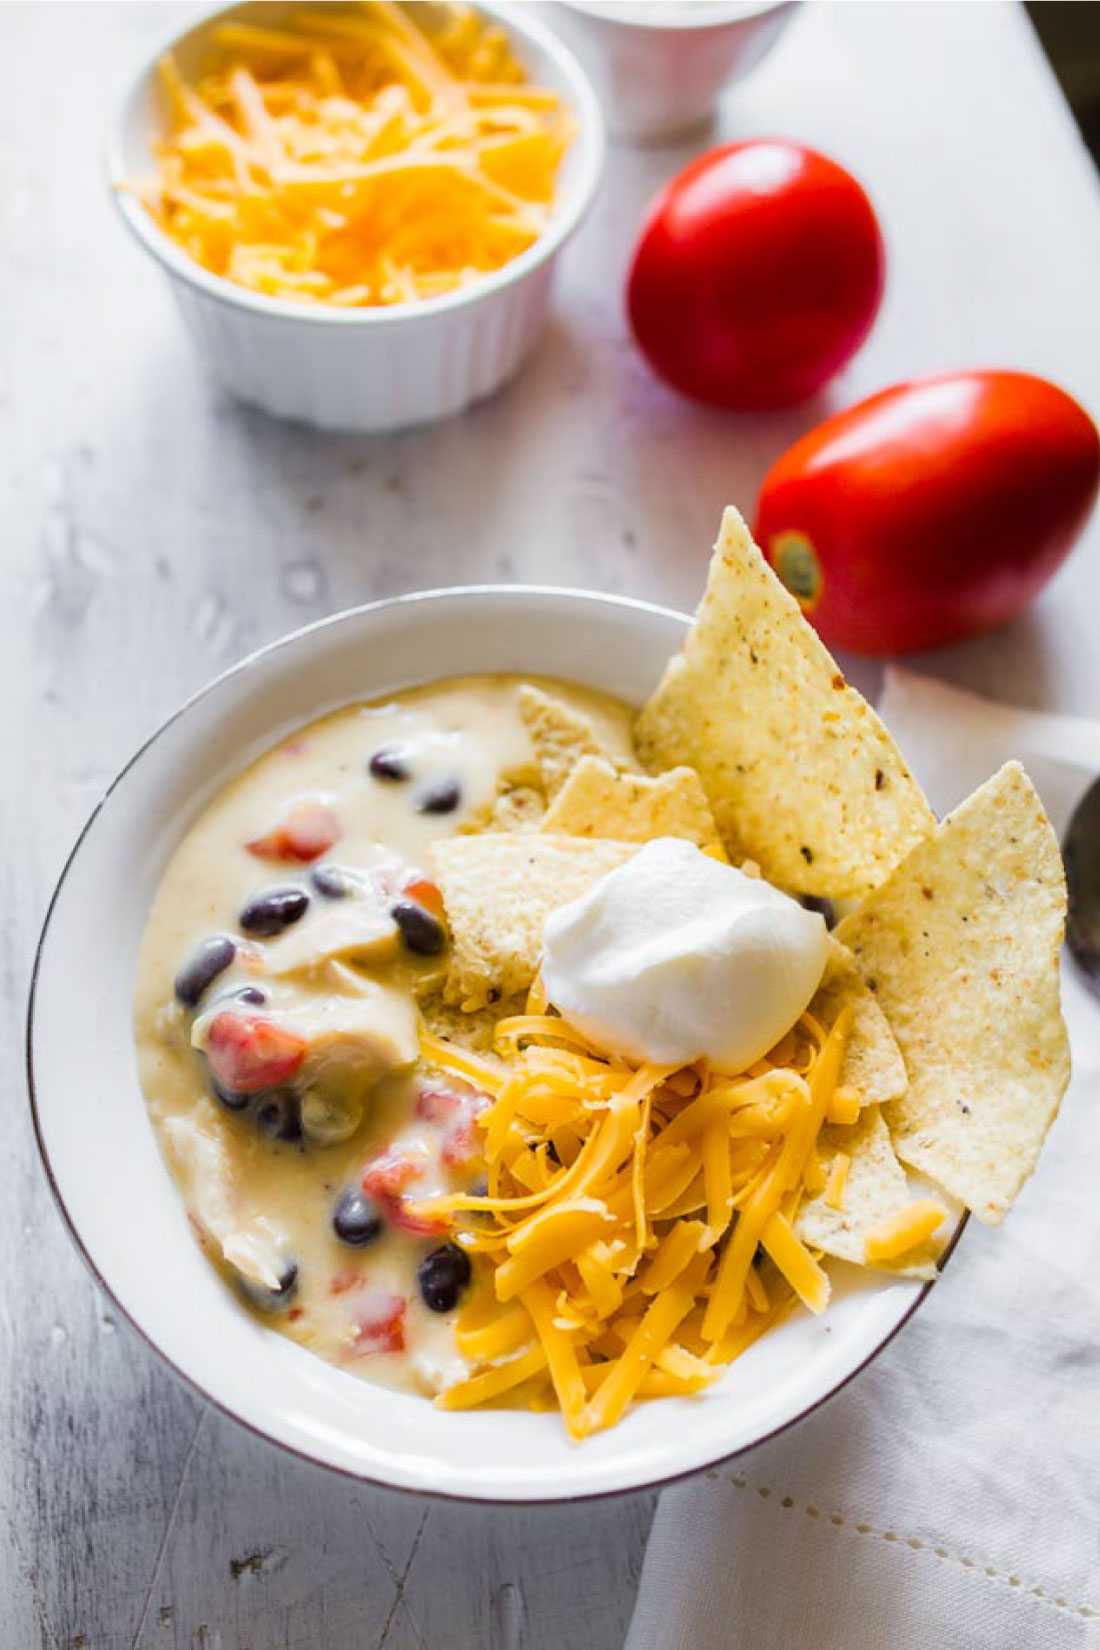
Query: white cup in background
x,y
659,65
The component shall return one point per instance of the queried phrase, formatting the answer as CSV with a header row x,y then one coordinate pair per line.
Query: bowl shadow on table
x,y
728,455
245,1539
644,475
1015,663
432,505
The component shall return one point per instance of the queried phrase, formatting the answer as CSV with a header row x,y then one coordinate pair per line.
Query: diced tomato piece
x,y
379,1325
385,1180
389,1174
425,892
438,1105
462,1145
417,1224
341,1282
457,1110
248,1053
309,830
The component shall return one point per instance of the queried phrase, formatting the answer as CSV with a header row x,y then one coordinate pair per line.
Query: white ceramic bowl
x,y
658,68
101,1154
364,369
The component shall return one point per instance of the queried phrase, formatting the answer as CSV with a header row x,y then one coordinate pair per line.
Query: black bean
x,y
442,1276
277,1299
389,762
254,995
334,882
273,910
230,1098
420,931
277,1114
824,908
355,1219
209,959
439,796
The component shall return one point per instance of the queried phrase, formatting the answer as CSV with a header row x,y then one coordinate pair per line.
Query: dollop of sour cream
x,y
674,956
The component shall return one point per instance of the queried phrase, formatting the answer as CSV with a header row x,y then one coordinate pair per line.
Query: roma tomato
x,y
757,275
932,511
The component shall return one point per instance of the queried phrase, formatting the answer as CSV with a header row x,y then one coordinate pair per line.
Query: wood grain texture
x,y
153,533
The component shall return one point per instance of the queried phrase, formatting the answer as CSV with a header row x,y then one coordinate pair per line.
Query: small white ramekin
x,y
658,73
364,369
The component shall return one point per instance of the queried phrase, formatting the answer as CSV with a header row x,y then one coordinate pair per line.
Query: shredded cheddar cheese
x,y
836,1180
845,1105
357,158
655,1242
904,1231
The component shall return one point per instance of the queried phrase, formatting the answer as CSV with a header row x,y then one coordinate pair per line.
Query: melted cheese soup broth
x,y
285,1087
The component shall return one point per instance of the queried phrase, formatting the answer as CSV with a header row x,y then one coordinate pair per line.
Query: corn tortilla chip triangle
x,y
961,949
876,1188
560,736
477,1029
517,808
597,801
872,1059
801,774
498,889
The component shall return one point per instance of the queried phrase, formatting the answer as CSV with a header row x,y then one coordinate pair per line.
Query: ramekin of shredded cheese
x,y
359,206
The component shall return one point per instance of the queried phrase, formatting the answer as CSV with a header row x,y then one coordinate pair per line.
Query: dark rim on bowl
x,y
176,263
474,593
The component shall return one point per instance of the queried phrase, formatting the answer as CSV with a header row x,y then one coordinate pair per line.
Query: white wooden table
x,y
152,533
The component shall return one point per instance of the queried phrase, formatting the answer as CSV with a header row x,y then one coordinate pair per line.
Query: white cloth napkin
x,y
949,1499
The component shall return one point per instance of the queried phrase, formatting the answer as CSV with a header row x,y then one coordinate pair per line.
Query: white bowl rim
x,y
176,262
242,666
748,11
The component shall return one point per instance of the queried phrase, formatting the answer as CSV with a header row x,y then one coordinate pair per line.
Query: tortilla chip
x,y
474,1031
961,948
801,774
597,801
518,808
872,1059
876,1189
498,890
560,736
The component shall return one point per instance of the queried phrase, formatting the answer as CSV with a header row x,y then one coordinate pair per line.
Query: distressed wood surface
x,y
152,533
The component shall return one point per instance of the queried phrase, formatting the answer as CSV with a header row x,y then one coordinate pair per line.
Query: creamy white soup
x,y
293,951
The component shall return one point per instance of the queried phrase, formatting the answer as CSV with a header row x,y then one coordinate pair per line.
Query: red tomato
x,y
379,1322
757,275
386,1178
931,512
456,1112
247,1053
376,1315
309,830
425,892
